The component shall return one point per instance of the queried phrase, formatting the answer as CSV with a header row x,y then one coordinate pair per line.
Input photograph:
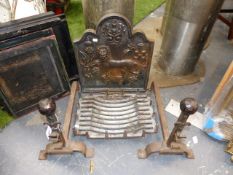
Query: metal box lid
x,y
112,57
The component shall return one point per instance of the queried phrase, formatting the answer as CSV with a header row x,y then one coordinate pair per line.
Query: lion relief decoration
x,y
113,56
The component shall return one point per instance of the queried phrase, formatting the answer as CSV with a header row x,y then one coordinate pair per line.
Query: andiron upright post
x,y
172,144
60,142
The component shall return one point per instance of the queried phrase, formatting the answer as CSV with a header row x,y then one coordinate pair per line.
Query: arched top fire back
x,y
113,57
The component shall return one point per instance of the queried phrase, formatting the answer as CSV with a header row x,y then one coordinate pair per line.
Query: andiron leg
x,y
61,144
171,143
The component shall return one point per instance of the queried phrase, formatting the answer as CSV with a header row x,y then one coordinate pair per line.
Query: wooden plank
x,y
227,76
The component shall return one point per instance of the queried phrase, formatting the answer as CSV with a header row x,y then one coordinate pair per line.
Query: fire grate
x,y
115,115
114,66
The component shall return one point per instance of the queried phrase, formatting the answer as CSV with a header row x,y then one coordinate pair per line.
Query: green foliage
x,y
5,118
75,17
144,8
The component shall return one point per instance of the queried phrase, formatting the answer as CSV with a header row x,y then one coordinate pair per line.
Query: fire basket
x,y
113,101
114,66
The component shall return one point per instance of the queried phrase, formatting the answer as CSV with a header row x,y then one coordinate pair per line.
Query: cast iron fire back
x,y
113,57
114,66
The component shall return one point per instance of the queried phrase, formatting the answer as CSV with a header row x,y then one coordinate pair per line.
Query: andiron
x,y
172,143
60,142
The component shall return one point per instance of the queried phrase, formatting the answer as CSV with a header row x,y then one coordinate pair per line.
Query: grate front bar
x,y
116,115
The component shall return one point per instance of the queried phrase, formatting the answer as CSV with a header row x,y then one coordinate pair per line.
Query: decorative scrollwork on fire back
x,y
87,59
113,57
113,31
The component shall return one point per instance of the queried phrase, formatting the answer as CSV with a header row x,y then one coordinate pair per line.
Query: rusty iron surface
x,y
114,66
115,115
160,108
171,144
188,106
30,72
60,142
113,57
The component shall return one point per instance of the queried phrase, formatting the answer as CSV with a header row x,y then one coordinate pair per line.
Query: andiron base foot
x,y
174,148
61,143
59,148
172,143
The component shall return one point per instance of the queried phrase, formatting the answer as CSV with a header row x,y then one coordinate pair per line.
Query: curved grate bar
x,y
115,115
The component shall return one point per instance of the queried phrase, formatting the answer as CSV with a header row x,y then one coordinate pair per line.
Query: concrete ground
x,y
21,141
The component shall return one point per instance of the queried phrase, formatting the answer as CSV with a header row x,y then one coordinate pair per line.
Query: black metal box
x,y
36,61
